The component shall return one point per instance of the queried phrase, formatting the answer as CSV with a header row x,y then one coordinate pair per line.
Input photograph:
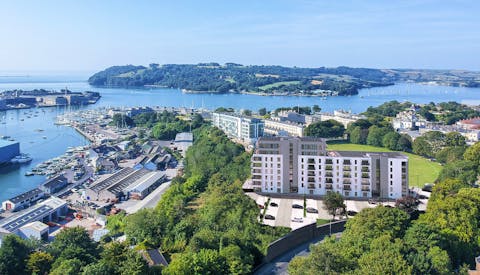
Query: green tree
x,y
450,154
422,147
333,202
134,264
262,111
316,108
375,135
99,268
13,255
404,143
73,243
247,112
325,129
455,139
462,170
390,140
358,135
68,267
385,257
472,154
39,262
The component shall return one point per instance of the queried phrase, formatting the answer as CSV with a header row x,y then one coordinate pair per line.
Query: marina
x,y
43,135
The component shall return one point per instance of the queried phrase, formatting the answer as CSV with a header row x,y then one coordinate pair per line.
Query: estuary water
x,y
38,136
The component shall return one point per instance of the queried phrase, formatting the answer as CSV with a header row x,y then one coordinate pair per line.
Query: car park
x,y
297,220
351,213
274,204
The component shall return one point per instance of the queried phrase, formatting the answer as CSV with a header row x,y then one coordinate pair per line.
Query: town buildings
x,y
182,142
246,129
283,128
341,116
54,185
304,166
23,200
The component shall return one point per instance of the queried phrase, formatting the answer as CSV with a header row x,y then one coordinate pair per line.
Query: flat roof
x,y
4,142
27,195
32,214
38,226
360,154
56,181
184,137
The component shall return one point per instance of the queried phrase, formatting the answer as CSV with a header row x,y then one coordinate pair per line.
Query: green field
x,y
278,84
420,170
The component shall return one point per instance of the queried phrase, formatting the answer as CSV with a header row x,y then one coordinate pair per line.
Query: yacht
x,y
22,158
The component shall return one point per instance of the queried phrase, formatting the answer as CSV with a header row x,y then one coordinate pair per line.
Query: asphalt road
x,y
280,264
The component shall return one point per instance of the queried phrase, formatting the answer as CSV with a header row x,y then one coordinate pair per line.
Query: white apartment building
x,y
283,128
303,166
341,116
239,127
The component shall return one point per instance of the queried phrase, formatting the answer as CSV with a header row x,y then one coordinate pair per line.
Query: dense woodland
x,y
213,77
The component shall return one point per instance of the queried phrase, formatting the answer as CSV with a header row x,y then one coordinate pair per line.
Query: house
x,y
154,257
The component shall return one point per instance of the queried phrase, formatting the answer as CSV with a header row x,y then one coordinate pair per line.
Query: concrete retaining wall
x,y
299,237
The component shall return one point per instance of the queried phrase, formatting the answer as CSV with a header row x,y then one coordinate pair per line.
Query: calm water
x,y
58,138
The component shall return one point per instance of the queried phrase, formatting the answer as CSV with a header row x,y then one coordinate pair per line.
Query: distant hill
x,y
270,80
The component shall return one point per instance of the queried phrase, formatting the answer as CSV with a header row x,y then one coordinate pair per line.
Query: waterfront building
x,y
296,117
304,166
407,120
8,150
3,104
54,184
131,112
34,230
283,128
23,200
242,128
25,223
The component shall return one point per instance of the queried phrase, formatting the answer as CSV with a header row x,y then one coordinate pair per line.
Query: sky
x,y
91,35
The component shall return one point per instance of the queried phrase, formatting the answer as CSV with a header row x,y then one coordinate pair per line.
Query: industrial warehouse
x,y
126,183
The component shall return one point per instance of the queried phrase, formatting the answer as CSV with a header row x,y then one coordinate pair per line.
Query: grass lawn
x,y
420,169
278,84
322,221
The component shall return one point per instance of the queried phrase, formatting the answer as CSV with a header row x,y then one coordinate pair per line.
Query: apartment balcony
x,y
257,177
311,174
329,186
328,180
365,181
311,180
311,186
365,162
365,176
365,169
347,175
347,168
328,161
347,188
366,189
328,174
256,164
347,181
311,161
329,167
311,167
347,162
256,171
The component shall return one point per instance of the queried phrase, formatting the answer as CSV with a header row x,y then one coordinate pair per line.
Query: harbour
x,y
43,138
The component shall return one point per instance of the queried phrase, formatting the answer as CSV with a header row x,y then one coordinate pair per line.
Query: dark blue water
x,y
58,138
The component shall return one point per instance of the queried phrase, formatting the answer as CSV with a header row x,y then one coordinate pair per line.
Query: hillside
x,y
271,80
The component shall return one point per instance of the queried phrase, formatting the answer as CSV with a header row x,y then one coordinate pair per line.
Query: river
x,y
54,140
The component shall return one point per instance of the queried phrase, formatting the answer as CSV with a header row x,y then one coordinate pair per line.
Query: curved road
x,y
280,264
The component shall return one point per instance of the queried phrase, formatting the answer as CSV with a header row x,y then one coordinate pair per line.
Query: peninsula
x,y
273,80
20,99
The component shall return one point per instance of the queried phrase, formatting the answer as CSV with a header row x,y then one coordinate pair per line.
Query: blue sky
x,y
90,35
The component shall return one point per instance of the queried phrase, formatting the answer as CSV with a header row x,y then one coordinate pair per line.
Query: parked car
x,y
370,201
297,220
311,210
260,206
269,217
427,187
297,206
274,204
422,197
351,213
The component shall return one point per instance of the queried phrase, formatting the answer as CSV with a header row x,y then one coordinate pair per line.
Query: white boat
x,y
22,158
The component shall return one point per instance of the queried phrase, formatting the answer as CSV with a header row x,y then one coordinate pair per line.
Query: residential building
x,y
293,116
470,124
283,128
341,116
23,200
303,166
242,128
131,112
407,120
